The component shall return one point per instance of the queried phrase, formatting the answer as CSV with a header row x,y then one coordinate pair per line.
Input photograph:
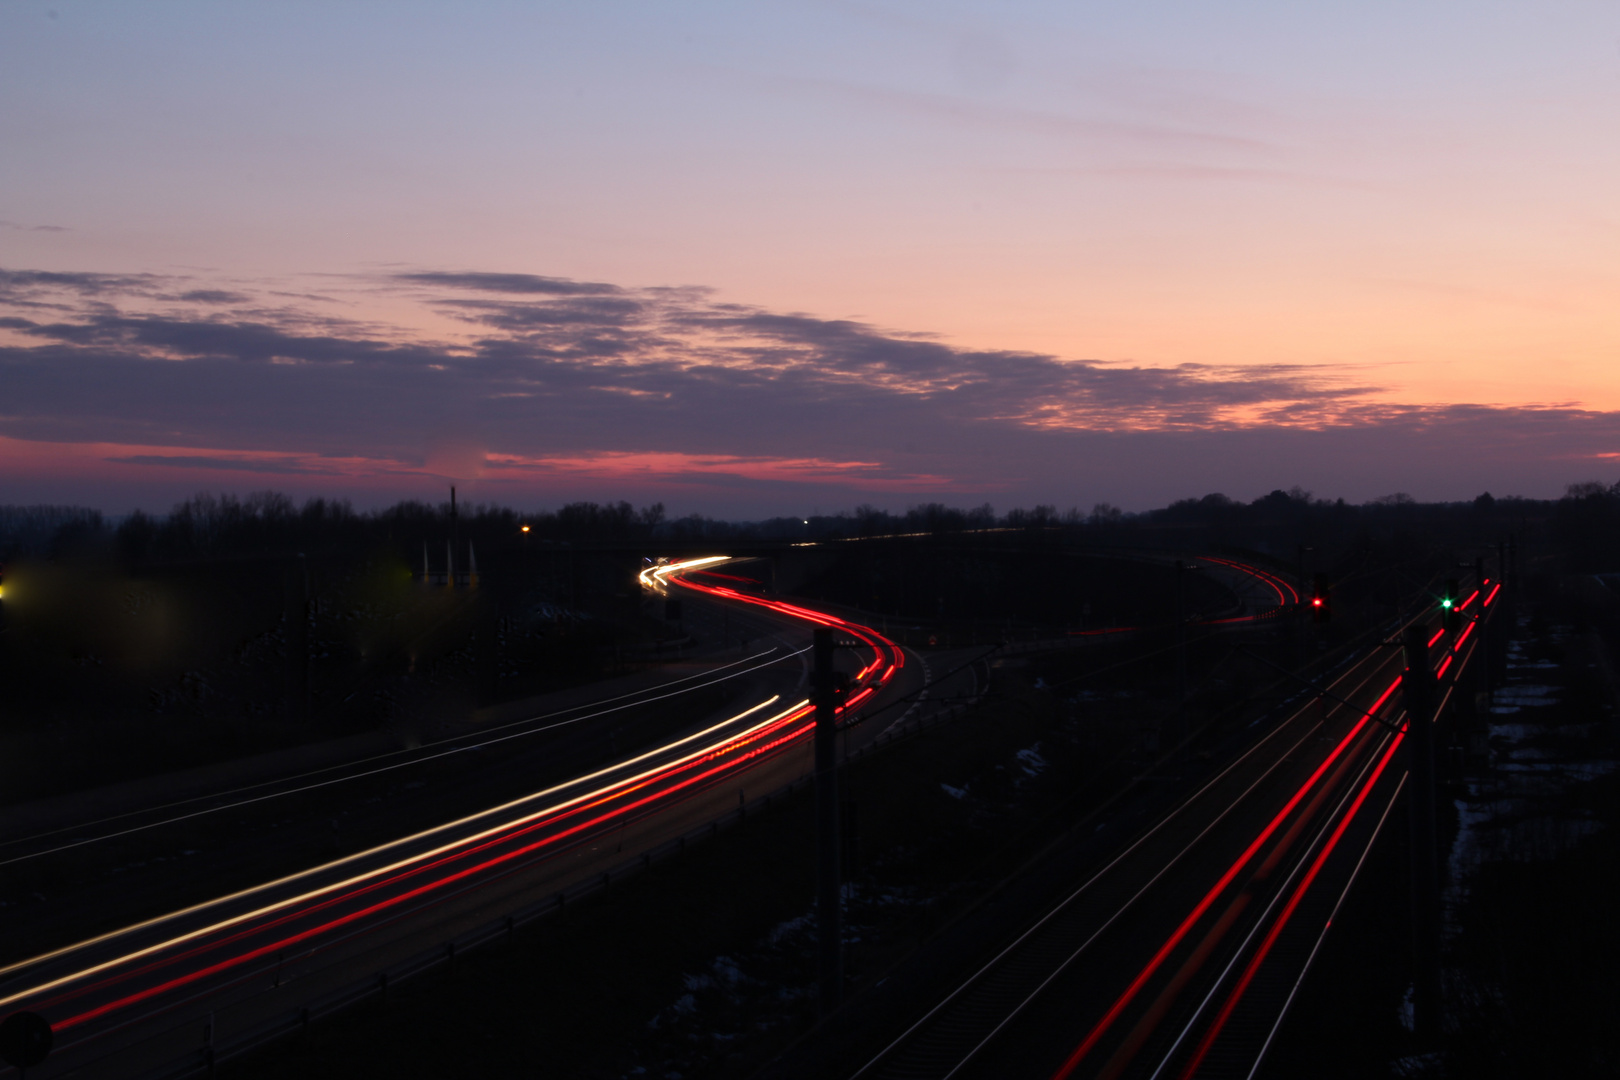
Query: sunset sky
x,y
761,258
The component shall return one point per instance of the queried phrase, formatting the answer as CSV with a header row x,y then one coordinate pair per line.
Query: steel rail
x,y
1370,660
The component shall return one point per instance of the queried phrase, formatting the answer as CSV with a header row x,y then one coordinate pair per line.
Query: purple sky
x,y
750,260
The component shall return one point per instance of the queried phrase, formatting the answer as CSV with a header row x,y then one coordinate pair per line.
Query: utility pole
x,y
1181,656
1417,689
829,889
1482,678
1303,617
295,616
487,609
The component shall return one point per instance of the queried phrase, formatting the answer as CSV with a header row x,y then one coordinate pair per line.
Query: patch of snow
x,y
1415,1065
1582,770
783,930
954,792
1514,733
1032,760
1525,695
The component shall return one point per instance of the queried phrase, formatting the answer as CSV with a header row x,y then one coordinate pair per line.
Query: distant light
x,y
525,528
1316,601
1446,603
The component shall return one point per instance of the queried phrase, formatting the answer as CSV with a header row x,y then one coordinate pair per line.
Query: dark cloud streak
x,y
555,367
509,283
200,461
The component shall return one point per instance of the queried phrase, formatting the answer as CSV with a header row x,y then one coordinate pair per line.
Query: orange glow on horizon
x,y
202,467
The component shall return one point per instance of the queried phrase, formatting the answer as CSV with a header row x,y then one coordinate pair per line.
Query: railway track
x,y
1180,956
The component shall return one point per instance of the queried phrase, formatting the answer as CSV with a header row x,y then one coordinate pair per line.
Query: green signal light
x,y
1445,603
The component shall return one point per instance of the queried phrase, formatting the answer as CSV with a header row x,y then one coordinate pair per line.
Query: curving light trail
x,y
308,910
1286,593
709,748
886,655
450,873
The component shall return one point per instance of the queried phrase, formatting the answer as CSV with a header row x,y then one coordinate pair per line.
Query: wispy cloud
x,y
278,464
30,284
562,381
506,283
686,468
212,296
997,116
17,227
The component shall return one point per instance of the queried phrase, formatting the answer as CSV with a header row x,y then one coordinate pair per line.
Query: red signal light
x,y
1321,600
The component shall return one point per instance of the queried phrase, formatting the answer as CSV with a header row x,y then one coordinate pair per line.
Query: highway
x,y
147,994
148,857
1178,955
1261,842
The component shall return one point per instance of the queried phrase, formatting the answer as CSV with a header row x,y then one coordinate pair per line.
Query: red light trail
x,y
1198,911
366,901
1276,930
383,894
1278,584
1261,889
414,893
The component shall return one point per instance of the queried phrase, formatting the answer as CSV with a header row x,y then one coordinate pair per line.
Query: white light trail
x,y
397,865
